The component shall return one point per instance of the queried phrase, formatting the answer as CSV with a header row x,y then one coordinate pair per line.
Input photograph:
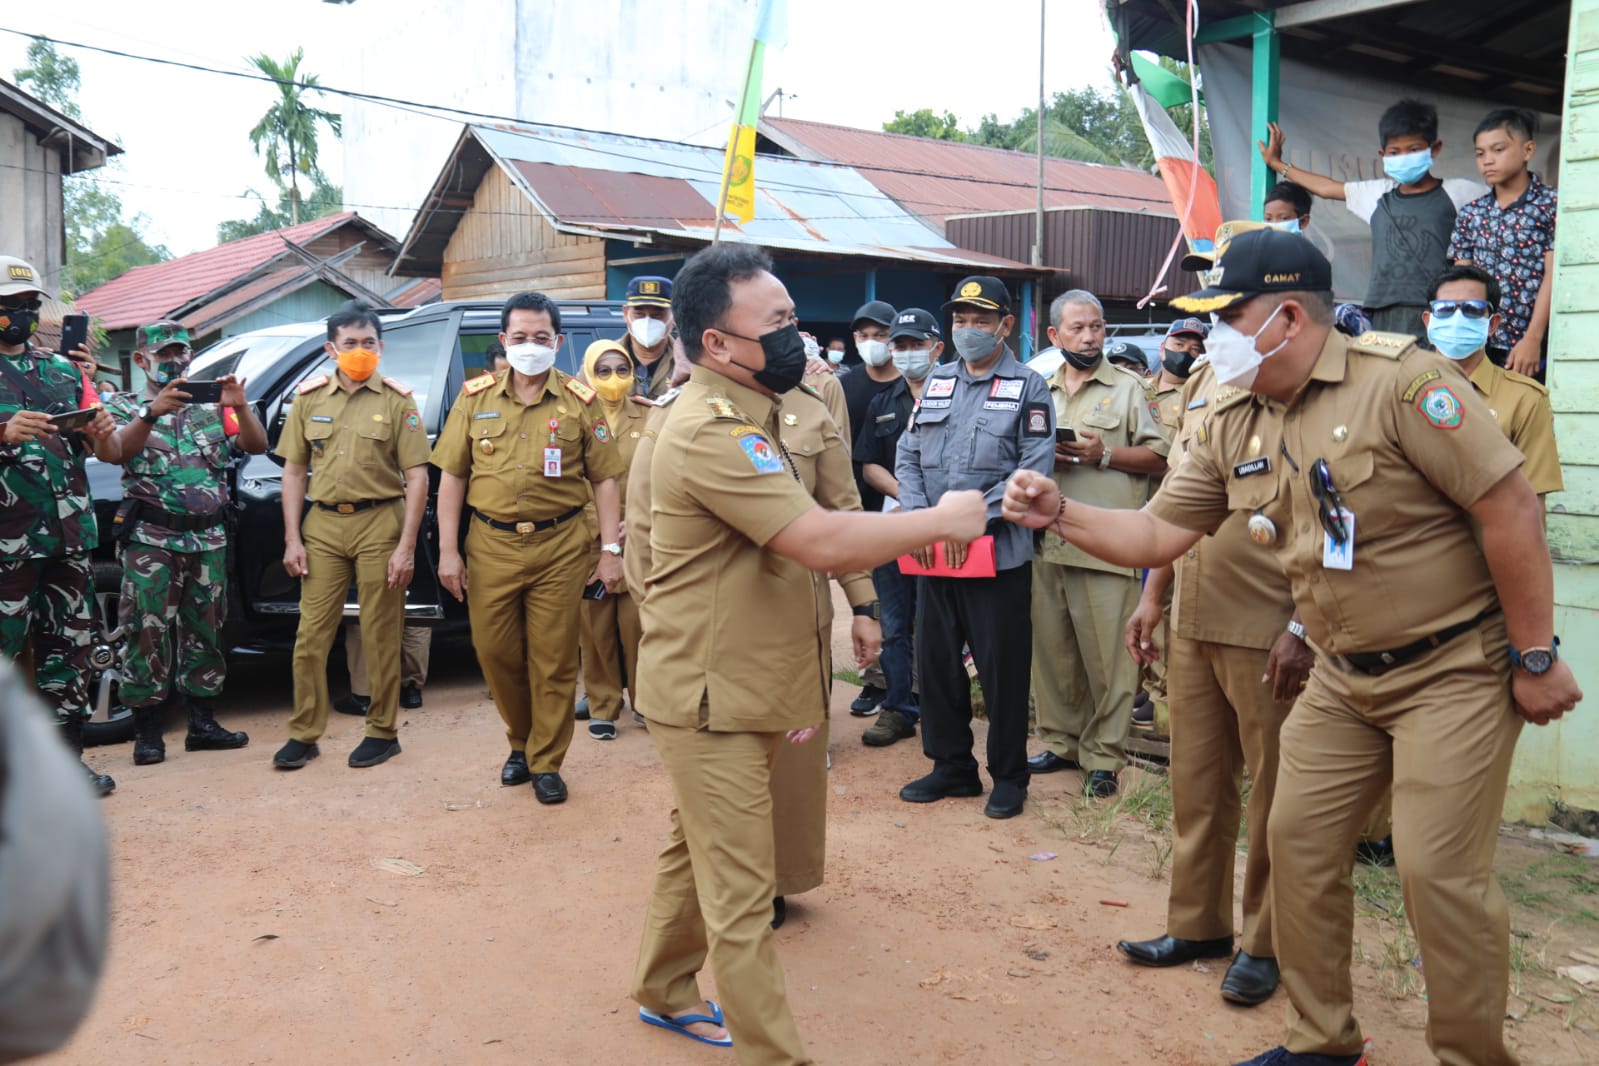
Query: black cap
x,y
649,291
1121,351
874,311
1261,261
1188,327
914,322
982,291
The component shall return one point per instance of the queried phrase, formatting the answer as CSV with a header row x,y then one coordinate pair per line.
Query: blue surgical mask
x,y
1290,225
1457,336
1409,168
914,363
835,355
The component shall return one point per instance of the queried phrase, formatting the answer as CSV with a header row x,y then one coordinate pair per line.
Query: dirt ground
x,y
252,923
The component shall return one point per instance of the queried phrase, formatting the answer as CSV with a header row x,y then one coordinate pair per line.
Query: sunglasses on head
x,y
1469,308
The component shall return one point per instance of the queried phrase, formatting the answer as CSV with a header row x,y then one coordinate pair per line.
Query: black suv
x,y
434,349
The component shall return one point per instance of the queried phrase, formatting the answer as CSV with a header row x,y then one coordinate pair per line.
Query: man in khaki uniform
x,y
525,449
361,436
731,666
1082,681
1370,472
1231,626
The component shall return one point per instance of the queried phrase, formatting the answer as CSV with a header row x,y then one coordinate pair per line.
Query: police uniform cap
x,y
1261,261
981,291
914,322
649,290
874,311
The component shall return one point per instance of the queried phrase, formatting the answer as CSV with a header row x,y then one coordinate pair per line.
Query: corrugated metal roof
x,y
416,292
936,179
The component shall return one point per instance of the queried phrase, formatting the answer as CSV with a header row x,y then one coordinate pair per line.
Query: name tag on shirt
x,y
1194,405
934,405
1006,389
939,387
485,414
321,418
1340,554
1252,466
887,418
552,462
1001,405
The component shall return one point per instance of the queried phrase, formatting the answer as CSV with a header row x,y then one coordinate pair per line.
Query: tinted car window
x,y
246,356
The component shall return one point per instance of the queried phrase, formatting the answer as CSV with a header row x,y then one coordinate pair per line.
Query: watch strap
x,y
1296,628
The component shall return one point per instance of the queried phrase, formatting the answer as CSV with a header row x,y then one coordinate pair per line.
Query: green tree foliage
x,y
323,199
926,123
286,135
102,243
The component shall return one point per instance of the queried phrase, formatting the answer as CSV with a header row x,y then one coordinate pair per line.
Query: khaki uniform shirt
x,y
1409,448
636,504
358,444
1521,408
816,446
731,634
1167,406
652,381
1227,589
497,442
1113,405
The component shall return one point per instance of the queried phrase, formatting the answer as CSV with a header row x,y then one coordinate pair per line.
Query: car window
x,y
410,355
245,356
474,353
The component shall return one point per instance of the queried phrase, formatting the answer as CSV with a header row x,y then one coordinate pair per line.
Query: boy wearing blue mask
x,y
1411,212
1287,207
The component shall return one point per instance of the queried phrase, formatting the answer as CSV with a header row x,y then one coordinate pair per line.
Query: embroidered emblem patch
x,y
1441,407
413,421
602,432
762,455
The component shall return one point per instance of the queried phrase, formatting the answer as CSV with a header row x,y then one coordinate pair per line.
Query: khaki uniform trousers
x,y
337,547
1083,678
524,591
713,892
1152,676
608,634
1223,721
1443,726
416,647
799,813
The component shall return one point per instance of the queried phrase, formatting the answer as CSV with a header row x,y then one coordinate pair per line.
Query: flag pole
x,y
732,143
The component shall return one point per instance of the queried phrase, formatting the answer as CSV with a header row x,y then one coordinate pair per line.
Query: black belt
x,y
1377,663
178,523
528,527
352,508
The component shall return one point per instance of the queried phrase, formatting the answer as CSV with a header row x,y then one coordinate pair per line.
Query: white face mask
x,y
648,331
873,353
530,359
1234,354
914,363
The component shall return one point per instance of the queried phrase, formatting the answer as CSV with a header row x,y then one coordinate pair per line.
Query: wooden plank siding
x,y
504,246
30,200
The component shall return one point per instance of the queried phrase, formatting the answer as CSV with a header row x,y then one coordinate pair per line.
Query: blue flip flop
x,y
681,1023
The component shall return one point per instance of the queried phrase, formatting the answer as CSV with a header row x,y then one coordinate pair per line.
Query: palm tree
x,y
1063,142
286,134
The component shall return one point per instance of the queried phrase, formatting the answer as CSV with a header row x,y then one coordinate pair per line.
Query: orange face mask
x,y
358,363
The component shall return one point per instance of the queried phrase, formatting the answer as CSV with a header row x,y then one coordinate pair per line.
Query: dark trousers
x,y
993,616
896,595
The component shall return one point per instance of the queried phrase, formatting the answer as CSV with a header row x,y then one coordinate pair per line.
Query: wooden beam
x,y
1309,11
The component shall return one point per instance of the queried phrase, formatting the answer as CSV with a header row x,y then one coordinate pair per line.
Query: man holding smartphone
x,y
172,536
47,527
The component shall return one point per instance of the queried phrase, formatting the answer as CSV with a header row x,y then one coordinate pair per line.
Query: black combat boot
x,y
148,747
204,732
72,733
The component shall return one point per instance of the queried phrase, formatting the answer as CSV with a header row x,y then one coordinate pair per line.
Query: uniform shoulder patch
x,y
643,401
398,386
1421,380
761,453
1376,342
1440,406
722,407
478,384
580,390
1230,396
312,384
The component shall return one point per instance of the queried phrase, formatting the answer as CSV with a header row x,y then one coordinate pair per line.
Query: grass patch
x,y
1394,954
1141,810
849,677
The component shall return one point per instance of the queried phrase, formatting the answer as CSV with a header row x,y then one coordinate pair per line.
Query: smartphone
x,y
203,391
75,419
74,333
1064,435
596,591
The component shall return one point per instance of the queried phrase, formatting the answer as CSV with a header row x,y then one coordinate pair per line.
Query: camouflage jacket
x,y
182,469
45,510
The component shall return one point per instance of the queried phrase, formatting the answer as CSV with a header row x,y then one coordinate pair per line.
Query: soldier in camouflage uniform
x,y
172,538
47,526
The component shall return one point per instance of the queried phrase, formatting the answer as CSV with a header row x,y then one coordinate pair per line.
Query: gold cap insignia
x,y
971,288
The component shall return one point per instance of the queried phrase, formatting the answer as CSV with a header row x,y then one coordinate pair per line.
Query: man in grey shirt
x,y
980,418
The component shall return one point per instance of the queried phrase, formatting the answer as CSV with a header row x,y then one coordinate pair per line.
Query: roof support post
x,y
1263,105
871,285
1027,339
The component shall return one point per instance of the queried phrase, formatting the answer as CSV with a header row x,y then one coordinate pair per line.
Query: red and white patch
x,y
940,387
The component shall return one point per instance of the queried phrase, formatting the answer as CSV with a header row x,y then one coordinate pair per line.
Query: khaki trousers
x,y
523,595
337,547
713,892
608,633
1444,728
1223,721
799,813
416,647
1083,678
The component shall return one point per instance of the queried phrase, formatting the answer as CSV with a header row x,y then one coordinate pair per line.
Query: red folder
x,y
979,562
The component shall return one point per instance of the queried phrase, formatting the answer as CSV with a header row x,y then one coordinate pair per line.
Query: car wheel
x,y
114,723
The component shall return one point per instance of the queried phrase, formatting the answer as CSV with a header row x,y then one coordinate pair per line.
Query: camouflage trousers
x,y
174,605
49,599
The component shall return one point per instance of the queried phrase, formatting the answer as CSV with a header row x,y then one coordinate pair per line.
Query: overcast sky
x,y
189,162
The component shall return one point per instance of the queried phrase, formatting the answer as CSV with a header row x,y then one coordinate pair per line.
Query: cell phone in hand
x,y
594,591
202,391
1065,435
74,419
74,333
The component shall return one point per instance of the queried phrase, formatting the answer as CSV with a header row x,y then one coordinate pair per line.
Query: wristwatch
x,y
612,549
873,610
1296,628
147,415
1104,459
1536,660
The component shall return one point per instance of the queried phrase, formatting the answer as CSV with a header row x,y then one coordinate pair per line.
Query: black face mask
x,y
17,325
785,358
1177,364
1082,360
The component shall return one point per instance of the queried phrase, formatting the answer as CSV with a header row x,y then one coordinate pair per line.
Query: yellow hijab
x,y
591,357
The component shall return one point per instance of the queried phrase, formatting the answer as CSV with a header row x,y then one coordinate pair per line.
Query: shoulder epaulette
x,y
643,401
580,390
1522,379
1229,396
722,407
1375,342
478,384
312,384
668,396
811,390
398,386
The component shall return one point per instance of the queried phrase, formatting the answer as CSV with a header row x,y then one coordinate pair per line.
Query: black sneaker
x,y
602,730
295,754
941,784
868,701
410,697
353,704
374,750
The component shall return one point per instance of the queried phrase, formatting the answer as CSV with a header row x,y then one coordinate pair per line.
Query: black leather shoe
x,y
1047,762
867,702
353,704
580,710
549,788
1006,801
373,750
940,785
779,911
1375,852
205,734
102,784
1099,784
1170,951
1250,980
410,697
295,754
514,772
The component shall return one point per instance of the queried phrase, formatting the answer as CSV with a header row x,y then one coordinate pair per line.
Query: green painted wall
x,y
1561,762
316,300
